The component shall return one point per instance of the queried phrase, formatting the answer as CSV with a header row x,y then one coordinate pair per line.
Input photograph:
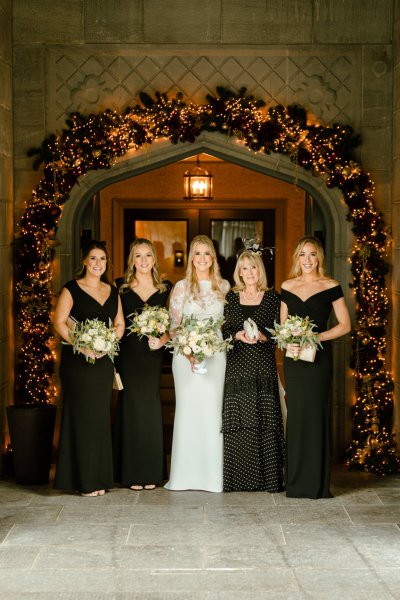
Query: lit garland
x,y
95,142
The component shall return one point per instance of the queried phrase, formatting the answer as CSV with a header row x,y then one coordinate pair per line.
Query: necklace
x,y
250,298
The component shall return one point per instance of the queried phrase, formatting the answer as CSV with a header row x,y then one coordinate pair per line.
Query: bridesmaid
x,y
309,292
138,432
84,460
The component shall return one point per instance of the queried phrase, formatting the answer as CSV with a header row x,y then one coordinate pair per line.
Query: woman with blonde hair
x,y
138,433
251,419
310,293
196,461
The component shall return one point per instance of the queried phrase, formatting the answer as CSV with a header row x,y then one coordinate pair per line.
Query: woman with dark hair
x,y
138,432
309,292
196,460
251,418
84,461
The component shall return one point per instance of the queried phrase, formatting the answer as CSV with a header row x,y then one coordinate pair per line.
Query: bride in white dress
x,y
197,451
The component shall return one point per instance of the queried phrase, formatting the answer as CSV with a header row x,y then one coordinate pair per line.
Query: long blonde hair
x,y
256,260
130,273
308,239
192,282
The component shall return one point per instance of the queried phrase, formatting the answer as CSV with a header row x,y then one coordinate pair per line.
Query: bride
x,y
196,460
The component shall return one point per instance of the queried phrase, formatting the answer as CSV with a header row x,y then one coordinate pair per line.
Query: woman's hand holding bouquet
x,y
94,339
297,337
152,322
197,339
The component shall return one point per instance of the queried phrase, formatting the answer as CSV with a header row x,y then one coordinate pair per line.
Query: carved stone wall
x,y
6,216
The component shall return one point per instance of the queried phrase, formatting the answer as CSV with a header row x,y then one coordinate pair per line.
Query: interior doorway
x,y
171,231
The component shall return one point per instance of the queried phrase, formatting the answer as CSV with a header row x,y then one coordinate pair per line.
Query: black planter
x,y
31,432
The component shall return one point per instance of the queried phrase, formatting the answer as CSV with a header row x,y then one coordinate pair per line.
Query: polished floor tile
x,y
163,545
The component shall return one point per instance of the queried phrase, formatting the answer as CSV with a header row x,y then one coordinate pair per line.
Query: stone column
x,y
396,215
6,214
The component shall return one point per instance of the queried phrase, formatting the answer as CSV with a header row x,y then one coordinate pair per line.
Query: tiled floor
x,y
178,545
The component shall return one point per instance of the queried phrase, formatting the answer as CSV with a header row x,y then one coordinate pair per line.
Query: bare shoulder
x,y
329,283
289,284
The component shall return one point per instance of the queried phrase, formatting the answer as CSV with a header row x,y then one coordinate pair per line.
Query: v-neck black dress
x,y
84,461
138,432
251,418
308,460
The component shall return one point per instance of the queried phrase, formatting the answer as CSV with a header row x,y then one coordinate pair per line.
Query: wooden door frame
x,y
181,208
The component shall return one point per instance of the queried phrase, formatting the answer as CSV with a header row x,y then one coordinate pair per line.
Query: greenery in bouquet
x,y
295,330
95,335
152,321
200,338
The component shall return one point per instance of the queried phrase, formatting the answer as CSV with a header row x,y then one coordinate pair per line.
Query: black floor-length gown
x,y
251,418
308,456
138,431
84,461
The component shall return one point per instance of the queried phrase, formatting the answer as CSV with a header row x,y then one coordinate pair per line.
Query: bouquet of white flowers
x,y
297,330
95,335
200,338
152,321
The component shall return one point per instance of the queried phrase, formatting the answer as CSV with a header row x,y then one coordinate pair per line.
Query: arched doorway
x,y
326,203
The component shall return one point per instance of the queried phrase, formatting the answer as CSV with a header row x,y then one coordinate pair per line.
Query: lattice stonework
x,y
86,83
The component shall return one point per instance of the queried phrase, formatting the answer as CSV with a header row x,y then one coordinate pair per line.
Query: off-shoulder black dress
x,y
84,461
251,417
138,431
308,426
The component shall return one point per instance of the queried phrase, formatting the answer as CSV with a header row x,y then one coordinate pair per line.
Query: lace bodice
x,y
207,304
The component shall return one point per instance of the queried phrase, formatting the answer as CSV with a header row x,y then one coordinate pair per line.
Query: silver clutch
x,y
251,329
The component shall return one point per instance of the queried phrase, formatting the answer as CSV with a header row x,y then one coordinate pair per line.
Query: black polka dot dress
x,y
251,419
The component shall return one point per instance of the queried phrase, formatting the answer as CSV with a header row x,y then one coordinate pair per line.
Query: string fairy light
x,y
97,141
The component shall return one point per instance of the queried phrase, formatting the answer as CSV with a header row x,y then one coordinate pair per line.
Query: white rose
x,y
99,344
86,337
92,331
187,350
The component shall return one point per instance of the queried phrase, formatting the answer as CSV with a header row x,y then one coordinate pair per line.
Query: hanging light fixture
x,y
197,183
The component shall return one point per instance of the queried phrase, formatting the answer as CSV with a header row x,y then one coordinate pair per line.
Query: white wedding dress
x,y
197,451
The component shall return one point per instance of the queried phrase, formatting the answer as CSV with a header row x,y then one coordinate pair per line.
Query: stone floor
x,y
197,545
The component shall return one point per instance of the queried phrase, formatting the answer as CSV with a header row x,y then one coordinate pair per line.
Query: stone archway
x,y
161,153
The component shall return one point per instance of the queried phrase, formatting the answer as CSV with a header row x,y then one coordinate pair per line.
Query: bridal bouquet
x,y
200,338
152,321
94,335
297,330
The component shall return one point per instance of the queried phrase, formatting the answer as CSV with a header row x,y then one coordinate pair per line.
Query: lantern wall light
x,y
198,183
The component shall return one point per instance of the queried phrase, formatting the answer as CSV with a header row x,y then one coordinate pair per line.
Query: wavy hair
x,y
93,245
308,239
254,258
130,273
192,282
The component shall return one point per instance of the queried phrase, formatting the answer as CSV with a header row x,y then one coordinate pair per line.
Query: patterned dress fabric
x,y
252,419
196,460
138,430
308,426
84,461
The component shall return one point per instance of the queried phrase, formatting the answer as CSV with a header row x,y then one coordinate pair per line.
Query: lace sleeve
x,y
225,287
176,303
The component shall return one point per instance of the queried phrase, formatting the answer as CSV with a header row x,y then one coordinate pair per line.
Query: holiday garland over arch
x,y
96,141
